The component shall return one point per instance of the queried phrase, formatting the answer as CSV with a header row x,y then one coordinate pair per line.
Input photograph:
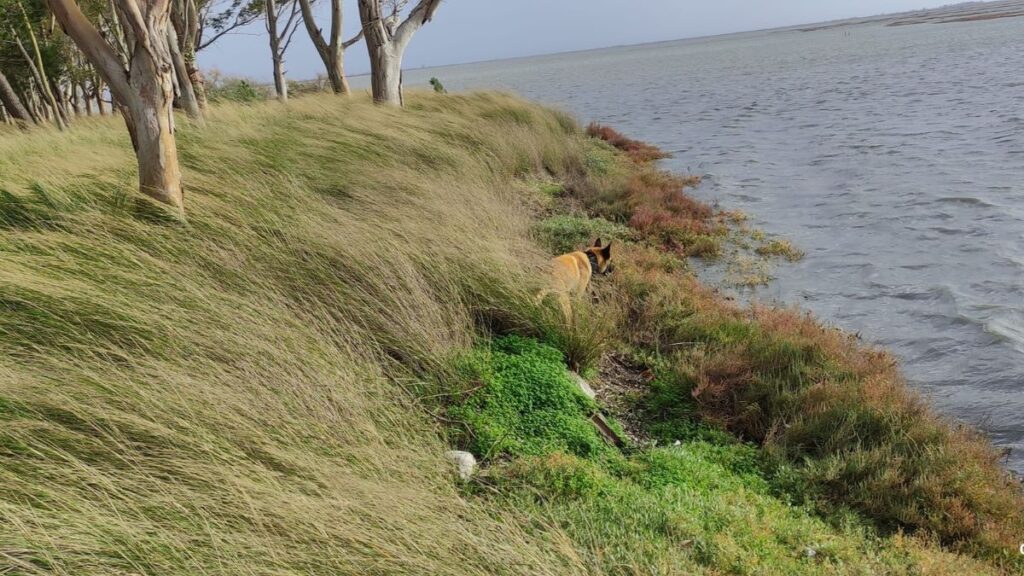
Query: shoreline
x,y
289,369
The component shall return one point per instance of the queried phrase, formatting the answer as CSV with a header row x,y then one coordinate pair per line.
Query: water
x,y
893,156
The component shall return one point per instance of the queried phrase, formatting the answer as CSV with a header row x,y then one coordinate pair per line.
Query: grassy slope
x,y
239,394
232,396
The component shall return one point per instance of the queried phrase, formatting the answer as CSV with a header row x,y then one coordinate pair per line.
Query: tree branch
x,y
244,17
99,52
289,28
346,44
137,22
420,15
315,34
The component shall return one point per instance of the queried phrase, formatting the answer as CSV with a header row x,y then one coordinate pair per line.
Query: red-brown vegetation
x,y
655,203
636,150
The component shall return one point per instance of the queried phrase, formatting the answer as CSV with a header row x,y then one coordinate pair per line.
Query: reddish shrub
x,y
640,152
664,190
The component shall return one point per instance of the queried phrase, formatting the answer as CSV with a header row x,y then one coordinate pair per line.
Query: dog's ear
x,y
607,251
597,243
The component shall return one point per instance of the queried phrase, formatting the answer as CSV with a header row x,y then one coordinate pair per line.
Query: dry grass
x,y
237,395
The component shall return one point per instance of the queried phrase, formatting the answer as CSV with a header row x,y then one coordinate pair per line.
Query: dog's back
x,y
571,273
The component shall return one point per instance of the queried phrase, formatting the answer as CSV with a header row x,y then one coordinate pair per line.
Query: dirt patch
x,y
619,386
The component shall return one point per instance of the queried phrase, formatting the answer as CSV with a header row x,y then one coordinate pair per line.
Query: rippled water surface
x,y
893,156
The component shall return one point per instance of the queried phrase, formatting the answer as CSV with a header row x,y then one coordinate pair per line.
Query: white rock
x,y
584,387
810,552
465,463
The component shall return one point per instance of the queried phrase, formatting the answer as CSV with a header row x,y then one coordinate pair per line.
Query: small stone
x,y
583,385
678,443
465,463
810,552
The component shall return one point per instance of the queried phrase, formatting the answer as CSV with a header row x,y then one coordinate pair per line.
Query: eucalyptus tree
x,y
282,20
387,37
185,82
198,24
330,49
141,81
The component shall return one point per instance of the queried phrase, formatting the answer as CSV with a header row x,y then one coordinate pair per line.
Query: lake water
x,y
894,156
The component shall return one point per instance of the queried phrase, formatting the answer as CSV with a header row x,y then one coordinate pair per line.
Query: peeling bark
x,y
386,42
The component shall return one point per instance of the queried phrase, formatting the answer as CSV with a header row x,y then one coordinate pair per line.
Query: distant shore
x,y
967,12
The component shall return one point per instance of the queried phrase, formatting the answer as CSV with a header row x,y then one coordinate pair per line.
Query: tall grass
x,y
237,394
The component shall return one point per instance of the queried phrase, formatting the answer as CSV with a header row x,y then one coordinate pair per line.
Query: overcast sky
x,y
471,30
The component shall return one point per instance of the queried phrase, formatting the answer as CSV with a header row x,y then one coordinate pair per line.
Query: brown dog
x,y
571,273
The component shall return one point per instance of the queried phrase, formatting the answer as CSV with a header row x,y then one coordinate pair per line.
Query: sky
x,y
474,30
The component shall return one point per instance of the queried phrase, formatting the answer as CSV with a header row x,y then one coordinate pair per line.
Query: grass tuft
x,y
781,248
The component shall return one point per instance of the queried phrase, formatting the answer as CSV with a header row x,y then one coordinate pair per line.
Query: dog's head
x,y
600,257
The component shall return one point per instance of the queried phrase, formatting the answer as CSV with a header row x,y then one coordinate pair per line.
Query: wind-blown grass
x,y
235,394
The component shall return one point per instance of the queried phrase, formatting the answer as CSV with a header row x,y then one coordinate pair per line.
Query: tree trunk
x,y
280,84
31,98
332,51
385,76
195,76
186,94
336,74
64,108
73,102
101,104
11,101
37,73
386,44
150,119
143,91
185,21
86,99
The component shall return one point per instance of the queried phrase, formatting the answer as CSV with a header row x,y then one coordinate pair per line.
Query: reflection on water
x,y
893,156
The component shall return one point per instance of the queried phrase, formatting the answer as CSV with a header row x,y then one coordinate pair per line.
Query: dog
x,y
571,273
